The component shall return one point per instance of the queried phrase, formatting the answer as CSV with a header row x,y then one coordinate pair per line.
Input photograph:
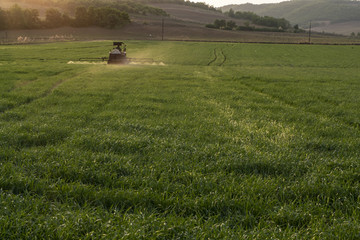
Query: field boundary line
x,y
260,42
194,40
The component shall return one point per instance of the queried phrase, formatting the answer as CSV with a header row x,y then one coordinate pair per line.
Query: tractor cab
x,y
118,54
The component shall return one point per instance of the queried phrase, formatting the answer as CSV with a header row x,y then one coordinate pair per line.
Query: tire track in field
x,y
56,85
41,96
318,115
224,57
244,133
218,56
215,58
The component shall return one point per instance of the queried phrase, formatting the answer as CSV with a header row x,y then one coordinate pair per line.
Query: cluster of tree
x,y
135,6
201,5
125,6
18,18
231,25
280,23
186,3
39,2
222,24
102,17
354,35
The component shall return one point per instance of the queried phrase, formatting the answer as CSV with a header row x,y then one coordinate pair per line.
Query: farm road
x,y
219,58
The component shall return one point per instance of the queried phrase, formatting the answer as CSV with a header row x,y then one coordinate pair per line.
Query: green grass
x,y
226,141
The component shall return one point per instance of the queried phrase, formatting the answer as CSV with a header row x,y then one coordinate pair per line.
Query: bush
x,y
210,26
230,25
220,23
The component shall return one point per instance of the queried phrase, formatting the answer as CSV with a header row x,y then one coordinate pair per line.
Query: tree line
x,y
19,18
129,6
266,21
231,25
125,6
353,35
133,4
186,3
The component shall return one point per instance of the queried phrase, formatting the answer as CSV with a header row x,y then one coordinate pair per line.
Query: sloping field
x,y
214,141
340,15
345,28
192,14
150,29
183,23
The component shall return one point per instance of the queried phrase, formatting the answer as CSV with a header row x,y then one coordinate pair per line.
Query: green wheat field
x,y
212,141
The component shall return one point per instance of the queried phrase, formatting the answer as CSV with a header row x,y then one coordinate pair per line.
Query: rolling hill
x,y
182,22
338,16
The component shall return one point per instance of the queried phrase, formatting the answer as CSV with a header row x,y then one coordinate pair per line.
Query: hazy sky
x,y
220,3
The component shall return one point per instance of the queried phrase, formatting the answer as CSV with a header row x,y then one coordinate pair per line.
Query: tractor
x,y
118,56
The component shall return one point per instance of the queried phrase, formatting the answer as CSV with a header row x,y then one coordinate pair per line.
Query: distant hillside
x,y
132,5
320,12
181,21
192,14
